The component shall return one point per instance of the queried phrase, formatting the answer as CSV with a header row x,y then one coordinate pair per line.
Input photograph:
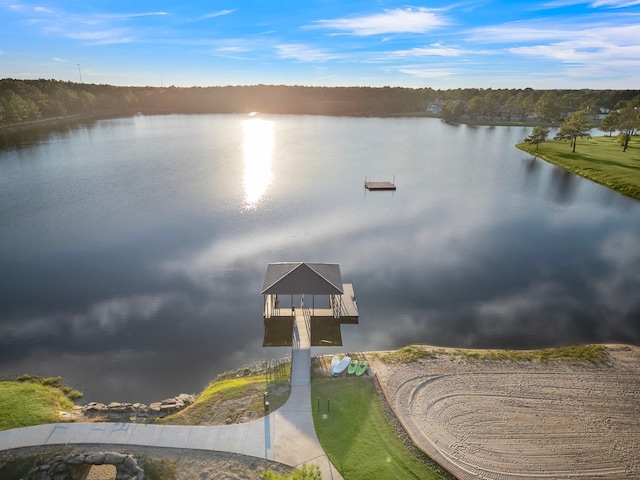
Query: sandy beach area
x,y
505,419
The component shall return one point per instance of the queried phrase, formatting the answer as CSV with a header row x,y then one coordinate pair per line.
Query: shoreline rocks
x,y
79,466
119,411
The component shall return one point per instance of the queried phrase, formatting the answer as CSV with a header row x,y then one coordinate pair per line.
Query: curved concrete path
x,y
287,435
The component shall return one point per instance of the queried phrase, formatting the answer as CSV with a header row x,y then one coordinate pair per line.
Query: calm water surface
x,y
133,250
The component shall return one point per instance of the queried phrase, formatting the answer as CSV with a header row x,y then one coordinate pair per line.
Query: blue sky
x,y
484,43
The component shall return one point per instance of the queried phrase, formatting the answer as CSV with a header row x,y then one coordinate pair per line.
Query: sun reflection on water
x,y
257,148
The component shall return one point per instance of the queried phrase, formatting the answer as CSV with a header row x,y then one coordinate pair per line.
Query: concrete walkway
x,y
287,435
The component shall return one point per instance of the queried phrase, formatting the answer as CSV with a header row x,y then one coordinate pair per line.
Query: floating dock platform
x,y
379,185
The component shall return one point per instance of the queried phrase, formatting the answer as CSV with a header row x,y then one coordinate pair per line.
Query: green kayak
x,y
362,367
353,366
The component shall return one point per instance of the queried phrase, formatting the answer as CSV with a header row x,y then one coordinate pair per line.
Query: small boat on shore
x,y
362,367
341,366
334,363
352,367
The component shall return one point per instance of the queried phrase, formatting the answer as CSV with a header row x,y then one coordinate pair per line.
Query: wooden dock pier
x,y
380,185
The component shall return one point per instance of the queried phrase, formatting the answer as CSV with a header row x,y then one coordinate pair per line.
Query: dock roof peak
x,y
297,278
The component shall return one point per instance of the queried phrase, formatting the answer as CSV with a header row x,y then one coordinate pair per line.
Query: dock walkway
x,y
286,435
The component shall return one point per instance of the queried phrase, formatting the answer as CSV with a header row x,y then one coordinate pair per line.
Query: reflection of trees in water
x,y
532,169
563,186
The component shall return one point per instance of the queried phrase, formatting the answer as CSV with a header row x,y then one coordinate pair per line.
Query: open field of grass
x,y
25,404
357,436
599,159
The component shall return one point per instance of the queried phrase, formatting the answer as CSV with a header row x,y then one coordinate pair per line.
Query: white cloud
x,y
529,32
409,20
433,50
587,50
304,53
125,16
217,14
592,4
571,53
428,72
105,28
590,46
43,10
615,3
104,37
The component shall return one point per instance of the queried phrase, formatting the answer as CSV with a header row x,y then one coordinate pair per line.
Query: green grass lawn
x,y
599,159
25,404
357,436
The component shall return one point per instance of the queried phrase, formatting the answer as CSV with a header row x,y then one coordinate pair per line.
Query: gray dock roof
x,y
298,278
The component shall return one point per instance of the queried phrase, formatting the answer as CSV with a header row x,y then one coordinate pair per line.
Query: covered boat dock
x,y
313,291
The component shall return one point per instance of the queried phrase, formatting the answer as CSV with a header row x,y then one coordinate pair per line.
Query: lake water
x,y
133,250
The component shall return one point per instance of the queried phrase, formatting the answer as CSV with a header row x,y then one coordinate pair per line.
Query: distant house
x,y
600,114
436,106
516,115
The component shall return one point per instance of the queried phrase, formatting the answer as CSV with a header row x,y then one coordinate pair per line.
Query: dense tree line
x,y
29,100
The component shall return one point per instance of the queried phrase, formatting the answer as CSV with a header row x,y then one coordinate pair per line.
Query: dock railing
x,y
336,304
307,320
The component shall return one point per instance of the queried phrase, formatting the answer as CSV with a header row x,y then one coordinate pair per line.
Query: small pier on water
x,y
380,185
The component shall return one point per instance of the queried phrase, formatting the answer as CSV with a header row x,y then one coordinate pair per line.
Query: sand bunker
x,y
528,419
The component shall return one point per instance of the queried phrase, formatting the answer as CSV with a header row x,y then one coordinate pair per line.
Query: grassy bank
x,y
577,353
34,401
235,397
599,159
580,353
356,434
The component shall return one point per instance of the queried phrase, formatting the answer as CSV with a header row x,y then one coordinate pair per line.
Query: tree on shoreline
x,y
628,121
576,125
538,135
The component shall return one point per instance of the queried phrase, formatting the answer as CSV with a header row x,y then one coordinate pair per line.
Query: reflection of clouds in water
x,y
440,235
619,288
115,313
139,344
546,305
109,316
510,284
451,271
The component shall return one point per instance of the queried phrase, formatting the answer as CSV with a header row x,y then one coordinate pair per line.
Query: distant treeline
x,y
31,100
